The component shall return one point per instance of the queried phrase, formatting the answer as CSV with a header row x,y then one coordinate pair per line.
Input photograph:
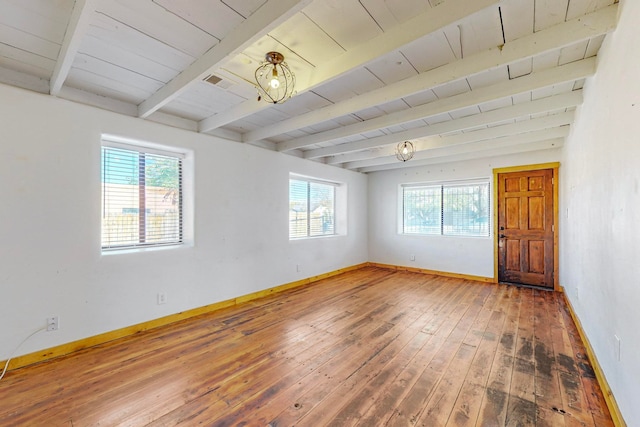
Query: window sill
x,y
115,251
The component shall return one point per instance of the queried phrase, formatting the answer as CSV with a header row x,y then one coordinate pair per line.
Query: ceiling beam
x,y
549,77
359,150
76,29
472,155
486,136
558,36
469,147
269,16
434,19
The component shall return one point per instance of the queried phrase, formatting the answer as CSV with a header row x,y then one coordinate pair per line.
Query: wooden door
x,y
525,228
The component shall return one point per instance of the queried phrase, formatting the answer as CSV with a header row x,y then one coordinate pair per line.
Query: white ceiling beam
x,y
565,34
480,154
549,77
103,102
269,16
434,19
358,149
76,29
470,147
519,131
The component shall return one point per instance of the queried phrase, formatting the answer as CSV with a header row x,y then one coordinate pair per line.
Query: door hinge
x,y
552,181
553,227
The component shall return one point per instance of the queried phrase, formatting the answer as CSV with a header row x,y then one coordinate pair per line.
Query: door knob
x,y
502,236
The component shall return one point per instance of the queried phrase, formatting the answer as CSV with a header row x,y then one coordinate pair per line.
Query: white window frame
x,y
334,218
115,142
442,228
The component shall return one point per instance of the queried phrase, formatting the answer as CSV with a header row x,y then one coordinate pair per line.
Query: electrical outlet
x,y
412,257
616,344
298,268
162,298
53,323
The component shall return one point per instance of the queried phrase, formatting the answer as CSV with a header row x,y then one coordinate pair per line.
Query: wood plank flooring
x,y
372,347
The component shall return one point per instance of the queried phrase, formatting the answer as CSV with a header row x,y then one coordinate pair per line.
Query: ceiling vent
x,y
218,81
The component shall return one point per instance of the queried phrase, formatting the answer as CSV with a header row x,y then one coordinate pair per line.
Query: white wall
x,y
600,211
50,257
464,255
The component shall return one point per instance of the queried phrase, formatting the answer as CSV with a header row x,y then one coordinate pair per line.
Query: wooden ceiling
x,y
459,78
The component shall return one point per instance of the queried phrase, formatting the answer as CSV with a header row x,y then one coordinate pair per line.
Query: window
x,y
141,197
451,209
311,208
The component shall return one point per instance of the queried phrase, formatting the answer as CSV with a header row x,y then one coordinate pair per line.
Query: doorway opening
x,y
526,232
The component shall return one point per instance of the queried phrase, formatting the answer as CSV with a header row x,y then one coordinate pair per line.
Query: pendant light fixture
x,y
405,151
274,78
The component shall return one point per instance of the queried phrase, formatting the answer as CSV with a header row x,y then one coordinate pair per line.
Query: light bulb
x,y
405,150
274,83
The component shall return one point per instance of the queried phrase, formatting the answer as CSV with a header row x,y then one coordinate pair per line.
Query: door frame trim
x,y
494,189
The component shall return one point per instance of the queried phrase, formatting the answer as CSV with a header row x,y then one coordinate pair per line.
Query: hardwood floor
x,y
371,347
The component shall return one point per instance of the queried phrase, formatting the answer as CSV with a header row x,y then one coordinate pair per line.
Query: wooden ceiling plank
x,y
452,88
532,125
552,90
77,28
125,38
389,13
432,20
521,68
572,53
471,155
58,10
346,22
443,149
494,105
552,103
35,22
152,20
268,17
215,18
33,44
573,71
319,46
594,46
23,80
568,33
392,68
465,112
517,19
419,26
580,7
109,52
19,60
483,31
490,77
549,12
116,73
436,44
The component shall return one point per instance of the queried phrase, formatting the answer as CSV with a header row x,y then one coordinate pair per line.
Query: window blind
x,y
141,198
422,210
465,211
453,209
311,208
